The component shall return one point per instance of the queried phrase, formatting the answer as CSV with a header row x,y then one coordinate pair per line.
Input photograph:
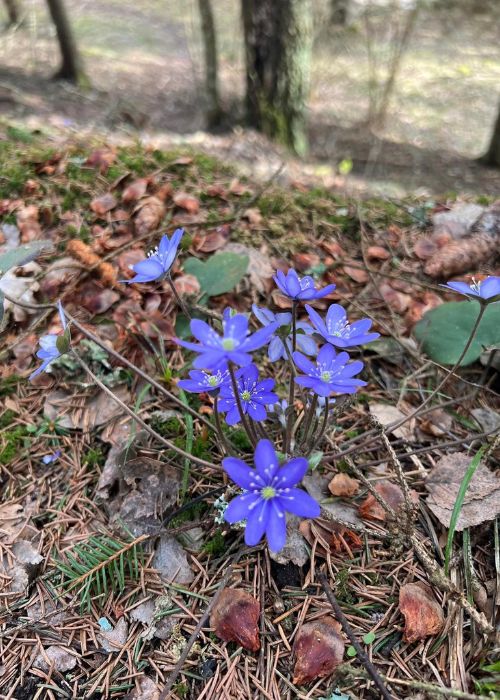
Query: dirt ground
x,y
144,61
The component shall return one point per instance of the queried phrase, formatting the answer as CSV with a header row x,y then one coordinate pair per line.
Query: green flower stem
x,y
143,424
177,297
237,397
218,425
294,325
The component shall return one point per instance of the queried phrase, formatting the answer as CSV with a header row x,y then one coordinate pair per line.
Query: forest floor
x,y
110,557
144,61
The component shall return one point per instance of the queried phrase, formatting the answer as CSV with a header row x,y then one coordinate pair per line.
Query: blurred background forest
x,y
397,95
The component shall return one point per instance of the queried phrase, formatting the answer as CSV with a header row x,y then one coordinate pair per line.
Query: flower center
x,y
268,492
325,376
228,343
246,395
213,380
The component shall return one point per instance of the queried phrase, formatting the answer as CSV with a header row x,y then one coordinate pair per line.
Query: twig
x,y
201,623
370,668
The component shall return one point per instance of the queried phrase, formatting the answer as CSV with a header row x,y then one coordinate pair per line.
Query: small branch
x,y
178,299
370,668
237,398
139,420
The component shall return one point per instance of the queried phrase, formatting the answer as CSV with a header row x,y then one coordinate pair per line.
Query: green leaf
x,y
444,331
21,255
351,651
369,638
315,460
219,274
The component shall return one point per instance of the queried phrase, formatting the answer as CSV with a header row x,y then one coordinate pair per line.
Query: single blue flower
x,y
320,406
277,349
268,494
48,459
52,345
280,409
254,396
330,373
200,381
485,290
234,345
336,329
159,261
297,289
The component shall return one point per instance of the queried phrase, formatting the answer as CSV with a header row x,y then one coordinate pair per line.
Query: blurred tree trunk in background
x,y
278,43
12,11
71,68
492,155
338,11
213,112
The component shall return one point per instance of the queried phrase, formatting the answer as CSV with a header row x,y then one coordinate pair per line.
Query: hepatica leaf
x,y
219,274
21,255
444,331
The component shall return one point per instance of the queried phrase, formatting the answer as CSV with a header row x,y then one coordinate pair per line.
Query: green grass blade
x,y
471,469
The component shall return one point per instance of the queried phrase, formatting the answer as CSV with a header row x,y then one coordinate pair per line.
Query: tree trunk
x,y
492,155
213,112
70,67
278,43
338,12
12,11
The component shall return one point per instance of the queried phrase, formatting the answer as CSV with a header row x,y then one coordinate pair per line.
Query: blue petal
x,y
256,411
242,474
236,327
62,315
259,338
205,333
291,473
303,363
306,344
40,369
276,527
293,283
49,342
327,355
276,349
212,359
257,522
299,503
266,460
265,316
151,268
316,319
233,416
239,358
461,288
490,287
239,508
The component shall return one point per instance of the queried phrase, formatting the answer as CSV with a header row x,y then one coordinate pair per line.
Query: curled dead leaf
x,y
425,248
235,618
397,301
187,285
148,215
101,205
437,423
343,485
318,650
212,241
356,273
391,493
423,614
377,252
329,538
188,202
101,158
135,190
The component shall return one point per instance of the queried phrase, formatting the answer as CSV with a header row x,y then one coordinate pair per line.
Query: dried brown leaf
x,y
391,493
148,215
235,618
482,498
101,205
423,614
343,485
318,650
388,415
188,202
135,190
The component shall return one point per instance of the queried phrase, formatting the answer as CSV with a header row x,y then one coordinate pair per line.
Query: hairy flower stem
x,y
139,420
309,416
218,425
178,299
319,435
291,392
237,397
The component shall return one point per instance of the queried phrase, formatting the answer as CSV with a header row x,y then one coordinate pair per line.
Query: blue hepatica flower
x,y
204,382
48,459
268,494
297,289
234,345
254,396
336,329
277,350
52,345
159,261
330,373
280,409
485,290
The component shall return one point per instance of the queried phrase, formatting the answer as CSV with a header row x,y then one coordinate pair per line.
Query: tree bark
x,y
492,155
12,11
278,43
71,68
338,12
213,111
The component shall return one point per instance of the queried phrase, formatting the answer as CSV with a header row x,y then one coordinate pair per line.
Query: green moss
x,y
216,545
167,428
94,457
240,439
7,418
11,442
8,386
181,689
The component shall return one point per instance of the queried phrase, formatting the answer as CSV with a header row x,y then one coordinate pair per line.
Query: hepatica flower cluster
x,y
317,368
